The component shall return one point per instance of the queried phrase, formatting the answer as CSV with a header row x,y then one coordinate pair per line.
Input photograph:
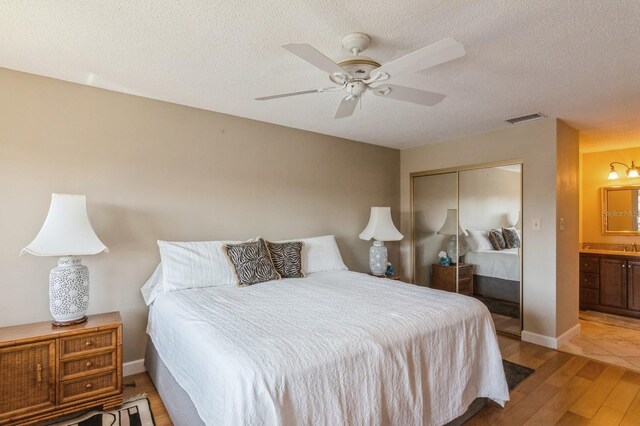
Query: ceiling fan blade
x,y
435,54
315,58
347,106
303,92
408,94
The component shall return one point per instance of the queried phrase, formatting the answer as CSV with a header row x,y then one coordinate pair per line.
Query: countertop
x,y
611,252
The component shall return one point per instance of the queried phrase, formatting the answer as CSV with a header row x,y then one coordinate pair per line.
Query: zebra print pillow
x,y
287,258
251,262
511,237
497,239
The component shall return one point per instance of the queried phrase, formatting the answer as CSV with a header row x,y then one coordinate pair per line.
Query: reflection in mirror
x,y
490,203
620,206
433,196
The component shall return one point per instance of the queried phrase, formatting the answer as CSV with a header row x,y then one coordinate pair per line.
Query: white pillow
x,y
153,287
320,254
478,241
195,264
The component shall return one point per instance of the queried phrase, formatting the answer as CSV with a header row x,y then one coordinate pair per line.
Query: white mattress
x,y
333,348
503,264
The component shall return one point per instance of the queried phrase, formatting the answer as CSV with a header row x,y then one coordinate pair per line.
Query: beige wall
x,y
489,198
535,144
595,170
567,239
153,170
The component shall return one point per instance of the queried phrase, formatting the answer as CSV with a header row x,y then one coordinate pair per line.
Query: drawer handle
x,y
585,280
88,364
39,373
89,343
89,386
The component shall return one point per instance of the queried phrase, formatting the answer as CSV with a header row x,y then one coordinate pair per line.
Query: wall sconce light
x,y
632,171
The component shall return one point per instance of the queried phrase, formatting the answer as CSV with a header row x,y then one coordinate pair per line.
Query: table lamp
x,y
451,227
381,229
67,233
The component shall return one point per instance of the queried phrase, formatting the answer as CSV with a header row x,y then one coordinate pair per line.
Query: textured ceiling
x,y
575,60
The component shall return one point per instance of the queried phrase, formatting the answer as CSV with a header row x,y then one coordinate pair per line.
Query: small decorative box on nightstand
x,y
444,278
47,372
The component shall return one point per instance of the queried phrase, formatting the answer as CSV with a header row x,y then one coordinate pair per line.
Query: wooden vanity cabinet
x,y
610,283
633,284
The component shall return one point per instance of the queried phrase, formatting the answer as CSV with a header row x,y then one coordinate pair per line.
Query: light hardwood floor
x,y
564,390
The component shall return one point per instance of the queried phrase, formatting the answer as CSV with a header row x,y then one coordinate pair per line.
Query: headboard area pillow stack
x,y
195,264
494,239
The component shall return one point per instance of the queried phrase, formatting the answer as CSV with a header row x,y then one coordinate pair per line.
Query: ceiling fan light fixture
x,y
355,74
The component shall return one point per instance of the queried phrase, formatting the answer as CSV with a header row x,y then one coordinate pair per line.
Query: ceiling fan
x,y
358,74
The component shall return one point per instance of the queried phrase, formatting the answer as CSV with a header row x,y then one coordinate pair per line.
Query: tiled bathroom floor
x,y
607,343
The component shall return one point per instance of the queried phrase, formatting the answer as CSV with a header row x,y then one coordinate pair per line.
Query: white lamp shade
x,y
518,224
450,225
380,226
66,230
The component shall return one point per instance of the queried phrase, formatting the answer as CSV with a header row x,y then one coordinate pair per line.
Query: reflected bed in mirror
x,y
620,206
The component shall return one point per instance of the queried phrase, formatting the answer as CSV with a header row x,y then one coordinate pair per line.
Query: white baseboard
x,y
551,342
133,367
568,335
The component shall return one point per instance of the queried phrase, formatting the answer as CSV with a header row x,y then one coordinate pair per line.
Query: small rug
x,y
134,411
515,373
609,319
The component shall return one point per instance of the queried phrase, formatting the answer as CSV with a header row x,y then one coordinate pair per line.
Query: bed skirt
x,y
175,399
184,413
496,288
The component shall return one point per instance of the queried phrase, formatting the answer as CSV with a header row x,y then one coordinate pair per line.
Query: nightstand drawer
x,y
88,365
76,345
465,286
589,280
589,296
88,386
464,272
589,264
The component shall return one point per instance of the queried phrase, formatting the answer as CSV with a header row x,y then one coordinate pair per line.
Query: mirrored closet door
x,y
472,216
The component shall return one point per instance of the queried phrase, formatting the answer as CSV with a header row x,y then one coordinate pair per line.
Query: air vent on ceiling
x,y
525,118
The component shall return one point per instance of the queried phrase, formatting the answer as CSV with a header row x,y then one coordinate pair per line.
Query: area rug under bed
x,y
134,412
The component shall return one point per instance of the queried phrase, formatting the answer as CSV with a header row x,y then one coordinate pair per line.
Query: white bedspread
x,y
503,264
334,348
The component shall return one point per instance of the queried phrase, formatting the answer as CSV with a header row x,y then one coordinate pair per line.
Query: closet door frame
x,y
457,170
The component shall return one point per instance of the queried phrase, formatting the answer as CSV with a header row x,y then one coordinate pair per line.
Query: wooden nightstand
x,y
47,372
444,278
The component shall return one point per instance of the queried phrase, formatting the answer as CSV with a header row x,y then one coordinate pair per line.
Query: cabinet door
x,y
27,378
633,282
613,283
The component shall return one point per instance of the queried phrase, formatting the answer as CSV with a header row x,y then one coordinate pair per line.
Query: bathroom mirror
x,y
620,206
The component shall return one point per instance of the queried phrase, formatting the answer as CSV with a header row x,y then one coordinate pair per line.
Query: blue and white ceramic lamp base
x,y
378,258
69,291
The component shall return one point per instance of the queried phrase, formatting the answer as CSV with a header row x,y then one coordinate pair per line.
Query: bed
x,y
496,274
334,348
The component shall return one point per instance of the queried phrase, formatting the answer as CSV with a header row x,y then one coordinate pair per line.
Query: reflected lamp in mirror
x,y
381,229
632,171
621,210
67,233
452,227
